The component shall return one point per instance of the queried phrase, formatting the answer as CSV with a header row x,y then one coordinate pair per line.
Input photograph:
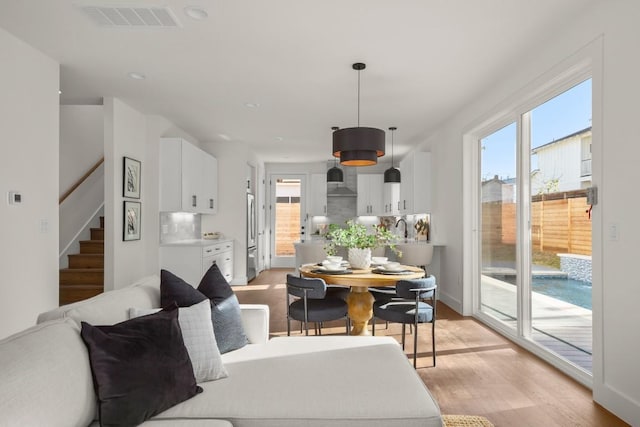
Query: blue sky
x,y
561,116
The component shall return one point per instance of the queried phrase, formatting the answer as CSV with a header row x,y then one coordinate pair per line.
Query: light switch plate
x,y
15,197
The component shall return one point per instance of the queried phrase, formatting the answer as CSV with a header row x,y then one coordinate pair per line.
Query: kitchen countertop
x,y
317,241
198,242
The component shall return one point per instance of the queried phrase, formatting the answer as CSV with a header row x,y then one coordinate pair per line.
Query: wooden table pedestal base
x,y
360,303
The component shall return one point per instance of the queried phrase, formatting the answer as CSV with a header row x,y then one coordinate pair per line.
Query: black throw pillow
x,y
225,310
140,367
174,289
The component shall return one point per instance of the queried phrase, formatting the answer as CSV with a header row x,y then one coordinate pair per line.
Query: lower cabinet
x,y
190,262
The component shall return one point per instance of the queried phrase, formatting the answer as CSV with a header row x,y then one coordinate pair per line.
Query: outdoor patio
x,y
561,327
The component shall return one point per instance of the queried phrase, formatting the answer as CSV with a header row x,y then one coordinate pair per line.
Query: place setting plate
x,y
324,270
389,272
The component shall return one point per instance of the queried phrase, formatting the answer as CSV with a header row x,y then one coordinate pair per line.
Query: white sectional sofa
x,y
45,375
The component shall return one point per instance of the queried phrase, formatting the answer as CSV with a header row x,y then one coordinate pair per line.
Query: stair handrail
x,y
79,182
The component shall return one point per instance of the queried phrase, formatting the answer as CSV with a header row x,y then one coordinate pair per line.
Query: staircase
x,y
85,276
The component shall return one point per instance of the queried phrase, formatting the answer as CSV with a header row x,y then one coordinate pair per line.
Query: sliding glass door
x,y
535,225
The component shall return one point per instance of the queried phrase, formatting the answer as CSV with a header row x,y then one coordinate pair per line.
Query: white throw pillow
x,y
198,336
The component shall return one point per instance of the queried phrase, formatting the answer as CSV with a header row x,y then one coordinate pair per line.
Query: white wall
x,y
616,289
81,141
29,83
124,135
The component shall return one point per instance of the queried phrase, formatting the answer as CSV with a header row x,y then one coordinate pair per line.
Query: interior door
x,y
288,220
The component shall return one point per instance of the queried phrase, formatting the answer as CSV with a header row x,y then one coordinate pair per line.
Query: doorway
x,y
534,241
287,218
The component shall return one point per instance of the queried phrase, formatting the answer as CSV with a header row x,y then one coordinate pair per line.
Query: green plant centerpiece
x,y
359,242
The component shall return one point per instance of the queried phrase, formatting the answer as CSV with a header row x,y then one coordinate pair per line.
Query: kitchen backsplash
x,y
177,226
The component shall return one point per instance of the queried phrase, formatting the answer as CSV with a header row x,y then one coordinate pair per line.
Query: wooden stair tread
x,y
85,276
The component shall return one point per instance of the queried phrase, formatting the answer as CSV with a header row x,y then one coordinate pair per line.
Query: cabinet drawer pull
x,y
194,201
210,203
208,251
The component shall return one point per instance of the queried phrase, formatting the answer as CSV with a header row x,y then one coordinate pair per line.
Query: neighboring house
x,y
499,190
563,164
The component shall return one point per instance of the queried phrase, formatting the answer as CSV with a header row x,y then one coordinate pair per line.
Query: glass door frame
x,y
472,241
284,262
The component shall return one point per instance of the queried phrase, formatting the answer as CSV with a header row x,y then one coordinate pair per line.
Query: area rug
x,y
465,421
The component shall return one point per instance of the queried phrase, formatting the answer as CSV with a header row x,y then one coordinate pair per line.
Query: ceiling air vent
x,y
131,16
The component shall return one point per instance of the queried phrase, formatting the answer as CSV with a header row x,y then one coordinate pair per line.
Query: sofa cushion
x,y
140,367
45,378
112,306
197,332
225,312
175,289
227,321
320,381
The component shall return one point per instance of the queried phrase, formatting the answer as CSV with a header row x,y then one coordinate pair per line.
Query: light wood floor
x,y
479,372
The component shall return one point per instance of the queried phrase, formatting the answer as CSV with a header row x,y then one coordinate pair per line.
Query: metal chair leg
x,y
288,326
415,346
373,326
403,334
433,342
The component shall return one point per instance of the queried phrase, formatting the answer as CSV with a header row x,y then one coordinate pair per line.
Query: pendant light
x,y
358,146
335,173
392,174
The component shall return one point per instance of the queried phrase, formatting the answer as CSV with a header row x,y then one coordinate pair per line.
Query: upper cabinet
x,y
317,202
415,188
391,197
188,178
370,188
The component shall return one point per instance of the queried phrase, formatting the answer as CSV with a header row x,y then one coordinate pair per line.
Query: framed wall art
x,y
131,178
131,221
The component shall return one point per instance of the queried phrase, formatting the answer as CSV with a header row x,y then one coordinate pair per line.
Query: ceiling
x,y
425,60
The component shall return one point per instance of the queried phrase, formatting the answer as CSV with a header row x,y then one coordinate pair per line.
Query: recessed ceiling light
x,y
59,92
136,76
196,12
251,104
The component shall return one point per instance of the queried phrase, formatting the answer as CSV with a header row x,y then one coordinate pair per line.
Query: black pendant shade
x,y
392,174
359,146
335,175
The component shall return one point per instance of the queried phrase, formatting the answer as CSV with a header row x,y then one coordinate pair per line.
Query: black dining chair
x,y
408,307
312,304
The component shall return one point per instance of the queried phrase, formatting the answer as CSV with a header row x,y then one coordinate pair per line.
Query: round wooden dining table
x,y
360,300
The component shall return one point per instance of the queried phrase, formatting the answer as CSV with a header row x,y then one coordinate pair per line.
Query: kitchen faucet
x,y
405,227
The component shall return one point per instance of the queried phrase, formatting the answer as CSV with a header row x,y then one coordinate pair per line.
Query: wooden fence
x,y
559,223
287,228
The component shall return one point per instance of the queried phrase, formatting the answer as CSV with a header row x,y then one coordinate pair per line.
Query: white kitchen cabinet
x,y
391,196
191,261
210,184
317,200
188,178
415,188
221,254
370,189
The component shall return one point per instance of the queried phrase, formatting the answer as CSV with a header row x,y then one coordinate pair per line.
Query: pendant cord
x,y
358,98
392,132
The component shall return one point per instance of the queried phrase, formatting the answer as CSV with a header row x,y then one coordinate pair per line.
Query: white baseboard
x,y
454,303
239,281
618,403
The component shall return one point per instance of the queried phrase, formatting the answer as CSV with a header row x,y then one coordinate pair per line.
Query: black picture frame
x,y
131,175
131,221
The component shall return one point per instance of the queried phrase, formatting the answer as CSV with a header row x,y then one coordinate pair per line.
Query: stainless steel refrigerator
x,y
252,259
